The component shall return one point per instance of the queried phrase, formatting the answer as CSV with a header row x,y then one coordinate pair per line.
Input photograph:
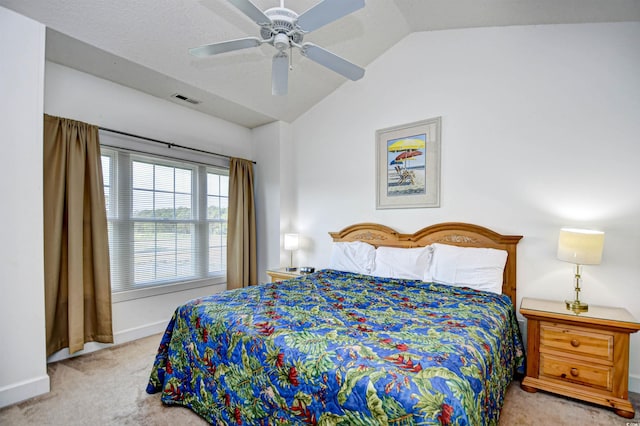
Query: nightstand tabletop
x,y
283,271
281,274
554,308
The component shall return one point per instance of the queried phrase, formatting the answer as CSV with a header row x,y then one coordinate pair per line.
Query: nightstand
x,y
282,274
583,356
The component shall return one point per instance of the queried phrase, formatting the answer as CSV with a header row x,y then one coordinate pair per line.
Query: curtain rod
x,y
168,144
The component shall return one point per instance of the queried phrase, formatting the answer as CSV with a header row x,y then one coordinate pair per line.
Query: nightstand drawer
x,y
577,340
594,375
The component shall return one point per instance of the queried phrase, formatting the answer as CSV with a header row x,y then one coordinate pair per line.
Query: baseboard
x,y
634,383
21,391
119,337
136,333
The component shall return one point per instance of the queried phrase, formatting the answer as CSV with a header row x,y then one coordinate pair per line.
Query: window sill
x,y
157,290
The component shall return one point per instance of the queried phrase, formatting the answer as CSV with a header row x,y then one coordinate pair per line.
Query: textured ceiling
x,y
143,44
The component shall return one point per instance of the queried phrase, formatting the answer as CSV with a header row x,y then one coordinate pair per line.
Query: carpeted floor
x,y
108,388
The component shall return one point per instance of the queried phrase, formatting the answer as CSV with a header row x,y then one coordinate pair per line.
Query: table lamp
x,y
580,247
291,244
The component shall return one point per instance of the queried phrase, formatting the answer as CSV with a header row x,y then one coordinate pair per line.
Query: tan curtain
x,y
76,248
241,231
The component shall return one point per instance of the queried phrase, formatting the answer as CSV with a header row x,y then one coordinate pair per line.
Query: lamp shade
x,y
580,246
291,241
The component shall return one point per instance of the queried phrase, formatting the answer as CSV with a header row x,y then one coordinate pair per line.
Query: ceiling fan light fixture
x,y
281,41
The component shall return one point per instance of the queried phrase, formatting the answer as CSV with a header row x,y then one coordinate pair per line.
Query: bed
x,y
347,348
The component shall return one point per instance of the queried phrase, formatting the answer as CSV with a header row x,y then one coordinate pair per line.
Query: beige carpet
x,y
108,388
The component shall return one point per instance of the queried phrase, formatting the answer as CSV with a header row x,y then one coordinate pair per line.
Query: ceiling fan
x,y
285,29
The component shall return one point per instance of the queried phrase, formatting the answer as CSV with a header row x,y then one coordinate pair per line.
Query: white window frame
x,y
120,173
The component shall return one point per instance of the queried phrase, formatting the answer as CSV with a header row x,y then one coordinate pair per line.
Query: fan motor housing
x,y
283,21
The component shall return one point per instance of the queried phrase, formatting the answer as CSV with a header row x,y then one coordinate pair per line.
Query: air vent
x,y
185,98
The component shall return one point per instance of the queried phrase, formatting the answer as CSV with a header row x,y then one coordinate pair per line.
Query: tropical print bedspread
x,y
335,348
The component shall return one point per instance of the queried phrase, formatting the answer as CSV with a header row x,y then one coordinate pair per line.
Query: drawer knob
x,y
574,372
575,343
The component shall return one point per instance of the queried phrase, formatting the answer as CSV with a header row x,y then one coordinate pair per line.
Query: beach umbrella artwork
x,y
408,155
402,170
407,144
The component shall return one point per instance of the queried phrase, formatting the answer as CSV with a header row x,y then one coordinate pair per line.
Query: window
x,y
167,223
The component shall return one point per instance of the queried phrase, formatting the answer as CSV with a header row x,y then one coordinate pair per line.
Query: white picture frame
x,y
408,165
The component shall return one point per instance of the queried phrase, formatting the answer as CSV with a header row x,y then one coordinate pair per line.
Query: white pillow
x,y
478,268
356,256
409,263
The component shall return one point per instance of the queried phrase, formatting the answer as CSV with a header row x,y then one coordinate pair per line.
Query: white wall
x,y
267,195
275,188
540,130
73,94
80,96
23,370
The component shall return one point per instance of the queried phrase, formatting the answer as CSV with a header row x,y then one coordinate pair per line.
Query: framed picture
x,y
408,165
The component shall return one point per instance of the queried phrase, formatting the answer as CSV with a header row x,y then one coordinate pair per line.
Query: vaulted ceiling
x,y
144,44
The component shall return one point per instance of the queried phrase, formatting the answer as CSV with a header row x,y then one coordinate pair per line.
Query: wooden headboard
x,y
454,233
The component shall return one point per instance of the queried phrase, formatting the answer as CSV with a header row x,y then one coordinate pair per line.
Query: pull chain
x,y
290,58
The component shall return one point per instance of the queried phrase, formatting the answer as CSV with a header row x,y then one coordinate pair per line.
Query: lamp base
x,y
576,306
291,268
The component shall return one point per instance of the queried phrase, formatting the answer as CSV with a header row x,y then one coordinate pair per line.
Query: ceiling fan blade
x,y
280,74
225,46
327,11
251,10
332,61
